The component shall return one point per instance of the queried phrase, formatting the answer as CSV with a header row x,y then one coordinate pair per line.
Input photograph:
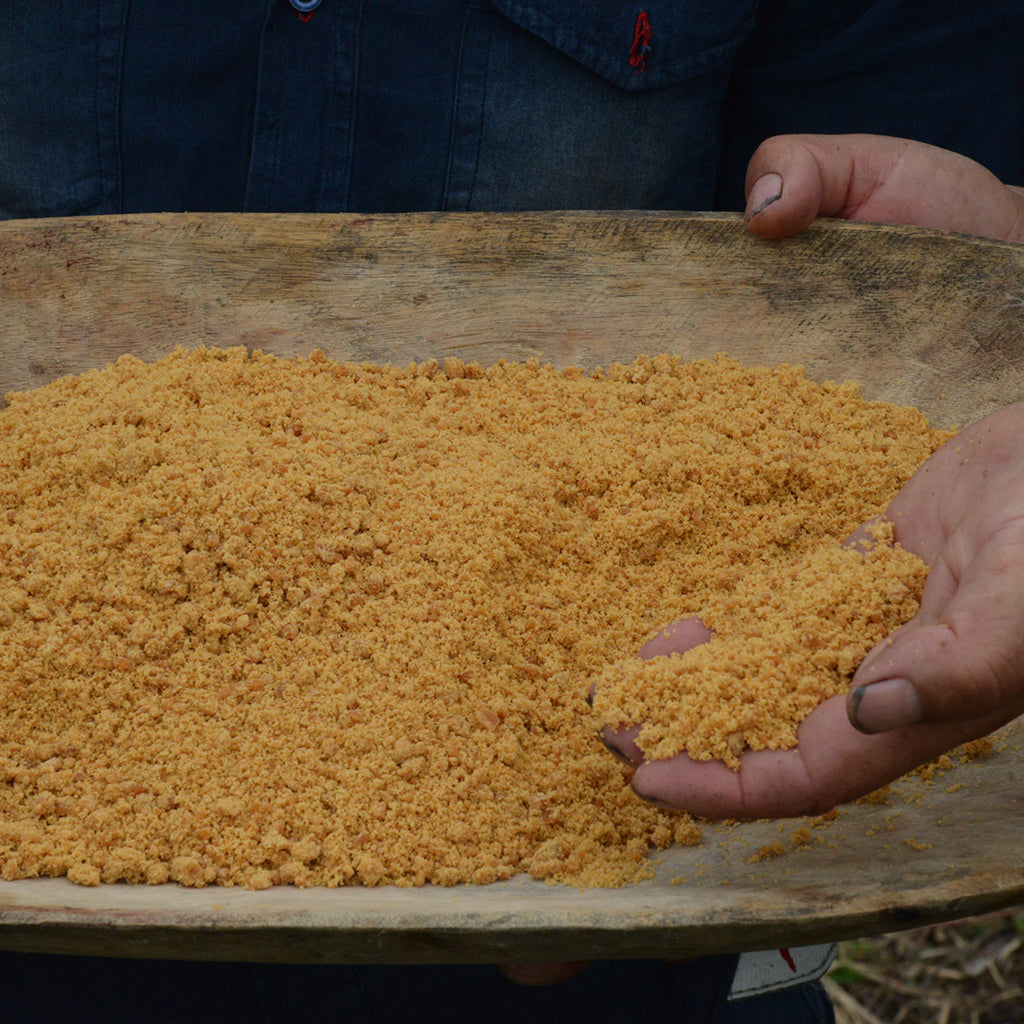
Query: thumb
x,y
961,658
791,179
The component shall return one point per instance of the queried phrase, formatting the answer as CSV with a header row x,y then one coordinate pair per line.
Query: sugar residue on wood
x,y
270,621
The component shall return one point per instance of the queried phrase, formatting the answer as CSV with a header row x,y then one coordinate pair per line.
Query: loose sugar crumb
x,y
768,852
269,621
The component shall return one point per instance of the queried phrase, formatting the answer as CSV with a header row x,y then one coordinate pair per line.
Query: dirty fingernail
x,y
653,800
765,191
884,706
622,755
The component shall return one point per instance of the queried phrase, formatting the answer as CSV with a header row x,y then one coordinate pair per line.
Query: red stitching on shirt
x,y
307,15
641,43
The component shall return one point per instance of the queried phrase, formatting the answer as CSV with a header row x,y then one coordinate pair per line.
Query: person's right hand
x,y
954,673
791,179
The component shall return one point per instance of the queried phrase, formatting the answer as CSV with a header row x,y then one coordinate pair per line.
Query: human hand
x,y
539,975
952,674
791,179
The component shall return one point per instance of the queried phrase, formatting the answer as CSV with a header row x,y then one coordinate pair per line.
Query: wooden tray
x,y
918,317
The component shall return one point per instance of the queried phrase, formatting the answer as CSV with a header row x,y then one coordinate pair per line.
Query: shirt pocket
x,y
601,105
59,84
637,47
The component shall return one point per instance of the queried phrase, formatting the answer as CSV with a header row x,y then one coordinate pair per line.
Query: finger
x,y
536,975
865,537
622,743
979,471
939,589
962,656
675,638
791,179
833,763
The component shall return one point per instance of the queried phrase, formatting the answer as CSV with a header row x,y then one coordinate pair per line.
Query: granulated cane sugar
x,y
789,635
270,621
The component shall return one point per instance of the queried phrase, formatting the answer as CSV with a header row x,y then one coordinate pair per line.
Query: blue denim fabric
x,y
97,991
108,106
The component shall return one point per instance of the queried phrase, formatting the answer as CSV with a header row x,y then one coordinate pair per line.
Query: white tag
x,y
773,969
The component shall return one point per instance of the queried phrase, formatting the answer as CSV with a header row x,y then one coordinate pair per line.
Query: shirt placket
x,y
304,111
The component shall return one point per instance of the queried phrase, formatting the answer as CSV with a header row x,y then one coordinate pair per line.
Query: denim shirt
x,y
110,106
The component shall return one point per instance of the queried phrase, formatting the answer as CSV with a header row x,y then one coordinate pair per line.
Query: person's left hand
x,y
952,674
791,179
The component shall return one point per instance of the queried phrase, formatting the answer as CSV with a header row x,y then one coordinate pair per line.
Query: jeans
x,y
40,989
108,106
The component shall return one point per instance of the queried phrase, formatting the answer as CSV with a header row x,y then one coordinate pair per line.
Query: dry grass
x,y
965,972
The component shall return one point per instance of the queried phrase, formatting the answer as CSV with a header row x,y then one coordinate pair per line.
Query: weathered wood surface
x,y
918,317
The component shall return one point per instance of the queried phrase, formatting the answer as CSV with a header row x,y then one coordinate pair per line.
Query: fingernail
x,y
765,191
884,706
612,749
652,800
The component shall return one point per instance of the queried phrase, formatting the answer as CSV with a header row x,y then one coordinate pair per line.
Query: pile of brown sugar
x,y
273,621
